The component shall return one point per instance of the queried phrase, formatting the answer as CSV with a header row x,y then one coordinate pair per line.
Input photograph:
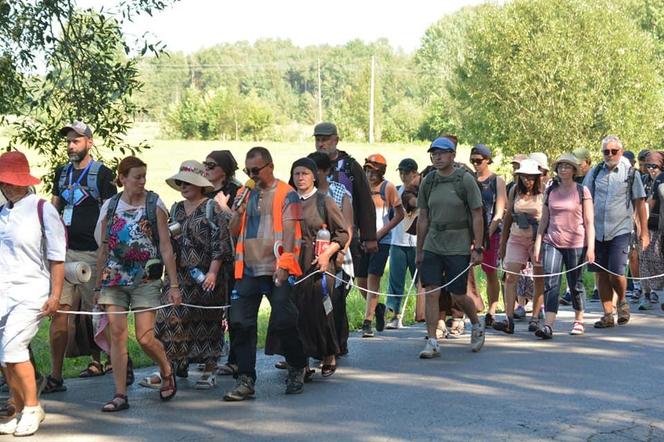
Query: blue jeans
x,y
402,258
552,262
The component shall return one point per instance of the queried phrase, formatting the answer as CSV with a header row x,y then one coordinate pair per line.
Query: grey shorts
x,y
135,296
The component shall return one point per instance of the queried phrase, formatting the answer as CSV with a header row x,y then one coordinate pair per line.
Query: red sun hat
x,y
15,170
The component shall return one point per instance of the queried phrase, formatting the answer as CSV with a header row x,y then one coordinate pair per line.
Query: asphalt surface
x,y
605,385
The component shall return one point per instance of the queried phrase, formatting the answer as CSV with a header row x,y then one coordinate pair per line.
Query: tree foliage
x,y
63,63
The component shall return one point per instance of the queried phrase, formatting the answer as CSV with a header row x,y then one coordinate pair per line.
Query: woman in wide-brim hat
x,y
204,247
566,236
32,260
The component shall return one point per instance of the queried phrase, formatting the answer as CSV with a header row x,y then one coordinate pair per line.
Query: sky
x,y
189,25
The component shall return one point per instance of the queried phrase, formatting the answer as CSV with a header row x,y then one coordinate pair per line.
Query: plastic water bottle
x,y
197,275
322,240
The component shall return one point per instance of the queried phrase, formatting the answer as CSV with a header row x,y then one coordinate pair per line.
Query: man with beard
x,y
79,189
617,194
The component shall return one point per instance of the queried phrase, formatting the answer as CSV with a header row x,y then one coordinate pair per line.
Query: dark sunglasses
x,y
652,166
254,170
209,165
610,151
476,160
180,183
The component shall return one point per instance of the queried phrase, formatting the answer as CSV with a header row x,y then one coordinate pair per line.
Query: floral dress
x,y
193,334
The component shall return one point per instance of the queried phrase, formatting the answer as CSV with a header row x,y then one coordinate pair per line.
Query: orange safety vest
x,y
280,194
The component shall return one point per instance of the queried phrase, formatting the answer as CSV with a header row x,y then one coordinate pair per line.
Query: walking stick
x,y
412,283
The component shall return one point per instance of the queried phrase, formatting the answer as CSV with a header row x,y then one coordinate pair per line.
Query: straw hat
x,y
14,169
528,167
567,158
191,172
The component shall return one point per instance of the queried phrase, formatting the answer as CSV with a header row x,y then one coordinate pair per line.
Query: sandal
x,y
227,370
206,382
54,385
118,403
7,410
168,385
93,369
281,365
182,371
108,367
153,381
328,370
309,374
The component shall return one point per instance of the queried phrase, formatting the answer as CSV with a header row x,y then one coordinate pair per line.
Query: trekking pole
x,y
412,283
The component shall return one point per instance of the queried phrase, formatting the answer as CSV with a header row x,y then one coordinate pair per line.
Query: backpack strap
x,y
596,170
63,177
320,206
110,211
92,181
631,173
151,213
210,214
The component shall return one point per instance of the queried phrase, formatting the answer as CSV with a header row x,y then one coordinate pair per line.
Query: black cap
x,y
407,165
325,129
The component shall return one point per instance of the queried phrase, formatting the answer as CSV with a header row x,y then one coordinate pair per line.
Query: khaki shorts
x,y
71,293
137,296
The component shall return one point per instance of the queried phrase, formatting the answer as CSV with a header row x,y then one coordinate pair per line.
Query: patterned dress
x,y
193,334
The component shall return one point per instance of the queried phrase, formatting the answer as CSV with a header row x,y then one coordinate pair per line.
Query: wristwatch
x,y
479,249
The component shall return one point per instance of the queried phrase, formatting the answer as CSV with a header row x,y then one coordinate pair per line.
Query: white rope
x,y
536,276
125,312
638,278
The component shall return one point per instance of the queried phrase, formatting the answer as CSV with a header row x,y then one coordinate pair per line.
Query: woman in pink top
x,y
566,235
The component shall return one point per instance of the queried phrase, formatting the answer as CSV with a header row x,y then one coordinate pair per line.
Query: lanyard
x,y
70,173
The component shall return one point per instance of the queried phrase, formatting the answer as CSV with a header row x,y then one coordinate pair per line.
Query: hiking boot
x,y
519,312
605,321
544,332
431,349
623,313
458,327
441,330
379,315
506,326
244,389
367,329
394,324
477,338
295,381
566,299
488,320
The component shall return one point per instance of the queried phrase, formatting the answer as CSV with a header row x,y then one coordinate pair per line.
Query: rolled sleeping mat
x,y
78,272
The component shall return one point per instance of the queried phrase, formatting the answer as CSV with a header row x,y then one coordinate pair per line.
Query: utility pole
x,y
320,96
371,101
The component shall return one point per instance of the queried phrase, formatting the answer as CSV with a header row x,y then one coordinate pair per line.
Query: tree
x,y
63,63
552,75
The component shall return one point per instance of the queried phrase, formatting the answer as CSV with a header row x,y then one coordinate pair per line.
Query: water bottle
x,y
322,240
197,275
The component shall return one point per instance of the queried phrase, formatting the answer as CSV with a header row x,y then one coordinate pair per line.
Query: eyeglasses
x,y
565,166
209,165
254,170
610,151
652,166
476,161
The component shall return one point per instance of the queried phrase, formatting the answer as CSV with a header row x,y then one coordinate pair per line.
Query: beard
x,y
77,157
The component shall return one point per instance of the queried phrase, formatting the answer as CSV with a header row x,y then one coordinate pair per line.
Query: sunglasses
x,y
254,170
476,161
652,166
181,183
209,165
530,177
610,151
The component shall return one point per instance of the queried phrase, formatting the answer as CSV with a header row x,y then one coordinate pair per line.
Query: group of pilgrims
x,y
194,275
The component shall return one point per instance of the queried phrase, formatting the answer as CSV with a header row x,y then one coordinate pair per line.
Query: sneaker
x,y
457,329
566,299
533,325
394,324
477,338
31,417
654,298
431,349
519,312
544,332
605,321
577,329
9,427
244,389
623,313
295,382
379,315
506,326
636,295
645,305
488,320
367,329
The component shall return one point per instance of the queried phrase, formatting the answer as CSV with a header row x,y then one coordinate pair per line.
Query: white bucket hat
x,y
528,167
191,172
541,159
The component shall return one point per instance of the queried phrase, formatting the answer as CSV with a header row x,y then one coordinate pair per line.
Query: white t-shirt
x,y
122,206
399,236
25,275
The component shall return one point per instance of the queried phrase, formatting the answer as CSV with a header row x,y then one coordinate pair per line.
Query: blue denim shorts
x,y
612,254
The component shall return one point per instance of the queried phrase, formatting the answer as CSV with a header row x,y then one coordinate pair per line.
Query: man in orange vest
x,y
266,222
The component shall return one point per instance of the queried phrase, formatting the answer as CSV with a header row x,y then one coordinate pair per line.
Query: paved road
x,y
605,385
